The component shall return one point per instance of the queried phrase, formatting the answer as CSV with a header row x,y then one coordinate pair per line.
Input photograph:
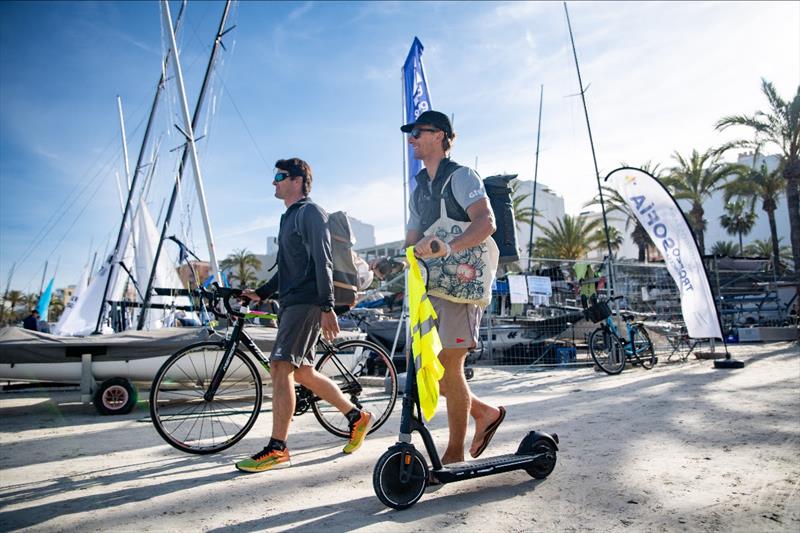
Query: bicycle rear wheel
x,y
365,374
189,422
607,351
643,348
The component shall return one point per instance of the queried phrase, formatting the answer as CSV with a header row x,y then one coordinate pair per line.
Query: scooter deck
x,y
484,467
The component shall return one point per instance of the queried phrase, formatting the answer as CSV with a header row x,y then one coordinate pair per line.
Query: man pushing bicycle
x,y
304,285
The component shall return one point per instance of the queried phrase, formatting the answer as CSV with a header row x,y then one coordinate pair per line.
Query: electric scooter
x,y
401,475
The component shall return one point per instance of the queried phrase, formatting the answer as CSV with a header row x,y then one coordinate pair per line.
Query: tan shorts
x,y
459,324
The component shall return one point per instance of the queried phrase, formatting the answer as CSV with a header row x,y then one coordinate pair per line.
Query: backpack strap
x,y
449,202
307,245
442,199
297,219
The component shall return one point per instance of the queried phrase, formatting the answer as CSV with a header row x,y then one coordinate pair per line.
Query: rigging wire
x,y
225,90
185,190
244,122
58,215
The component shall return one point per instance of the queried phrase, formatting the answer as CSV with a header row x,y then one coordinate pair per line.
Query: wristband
x,y
447,250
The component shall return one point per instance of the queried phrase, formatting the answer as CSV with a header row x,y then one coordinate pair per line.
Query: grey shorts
x,y
298,331
459,324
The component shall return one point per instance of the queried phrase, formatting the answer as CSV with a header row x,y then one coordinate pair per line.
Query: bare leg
x,y
458,402
283,401
484,416
483,413
323,387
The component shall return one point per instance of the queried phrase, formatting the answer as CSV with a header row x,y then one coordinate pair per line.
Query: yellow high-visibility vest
x,y
425,342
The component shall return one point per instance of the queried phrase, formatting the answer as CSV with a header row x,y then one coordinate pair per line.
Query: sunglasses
x,y
417,132
280,175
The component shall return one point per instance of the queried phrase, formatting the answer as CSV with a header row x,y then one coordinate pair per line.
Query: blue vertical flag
x,y
44,300
417,99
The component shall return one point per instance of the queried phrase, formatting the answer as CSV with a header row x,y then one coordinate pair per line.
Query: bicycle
x,y
609,349
207,396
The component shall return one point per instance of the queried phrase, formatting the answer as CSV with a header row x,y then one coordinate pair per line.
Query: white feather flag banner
x,y
660,215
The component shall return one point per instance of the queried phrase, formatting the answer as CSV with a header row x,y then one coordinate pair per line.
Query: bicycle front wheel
x,y
607,351
185,418
366,376
643,348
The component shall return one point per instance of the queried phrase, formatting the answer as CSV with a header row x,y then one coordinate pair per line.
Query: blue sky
x,y
322,81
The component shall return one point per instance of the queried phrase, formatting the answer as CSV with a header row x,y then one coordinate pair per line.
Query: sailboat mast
x,y
44,274
535,178
591,143
221,31
5,294
119,246
124,142
187,119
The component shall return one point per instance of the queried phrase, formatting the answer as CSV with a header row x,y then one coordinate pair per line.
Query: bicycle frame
x,y
240,335
628,343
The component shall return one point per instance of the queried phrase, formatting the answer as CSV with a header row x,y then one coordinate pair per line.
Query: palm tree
x,y
522,212
614,201
695,179
724,249
764,248
738,220
55,309
567,238
241,266
30,300
13,298
615,237
779,126
751,185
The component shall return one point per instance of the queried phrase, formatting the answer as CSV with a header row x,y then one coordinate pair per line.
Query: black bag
x,y
505,236
598,311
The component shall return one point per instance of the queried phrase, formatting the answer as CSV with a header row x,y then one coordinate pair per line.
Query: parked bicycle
x,y
207,396
610,350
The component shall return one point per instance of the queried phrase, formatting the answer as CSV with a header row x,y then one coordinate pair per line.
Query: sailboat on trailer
x,y
130,355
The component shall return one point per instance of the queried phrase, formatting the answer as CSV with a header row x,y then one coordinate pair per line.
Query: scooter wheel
x,y
386,478
546,461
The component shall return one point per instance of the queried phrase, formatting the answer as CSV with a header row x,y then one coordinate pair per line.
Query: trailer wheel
x,y
115,396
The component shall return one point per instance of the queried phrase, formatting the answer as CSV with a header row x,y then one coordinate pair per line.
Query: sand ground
x,y
683,447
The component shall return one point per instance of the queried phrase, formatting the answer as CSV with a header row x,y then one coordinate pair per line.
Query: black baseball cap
x,y
436,119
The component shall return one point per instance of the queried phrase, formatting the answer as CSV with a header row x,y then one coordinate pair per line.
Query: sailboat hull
x,y
139,370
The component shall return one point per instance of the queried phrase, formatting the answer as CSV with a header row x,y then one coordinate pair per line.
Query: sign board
x,y
518,288
540,285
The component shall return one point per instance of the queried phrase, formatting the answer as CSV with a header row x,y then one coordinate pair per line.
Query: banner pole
x,y
404,149
404,315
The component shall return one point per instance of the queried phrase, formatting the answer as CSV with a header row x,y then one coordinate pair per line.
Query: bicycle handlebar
x,y
225,294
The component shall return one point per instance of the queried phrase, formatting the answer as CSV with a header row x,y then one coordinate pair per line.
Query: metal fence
x,y
551,329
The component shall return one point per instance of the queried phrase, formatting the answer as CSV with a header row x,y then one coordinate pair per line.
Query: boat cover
x,y
539,328
19,346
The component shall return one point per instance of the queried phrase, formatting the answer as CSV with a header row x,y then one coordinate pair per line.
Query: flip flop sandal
x,y
489,433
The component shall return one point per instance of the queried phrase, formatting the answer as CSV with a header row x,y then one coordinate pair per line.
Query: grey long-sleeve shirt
x,y
305,268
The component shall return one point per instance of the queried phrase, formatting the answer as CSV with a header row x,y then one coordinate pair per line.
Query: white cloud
x,y
300,10
258,224
376,201
659,76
